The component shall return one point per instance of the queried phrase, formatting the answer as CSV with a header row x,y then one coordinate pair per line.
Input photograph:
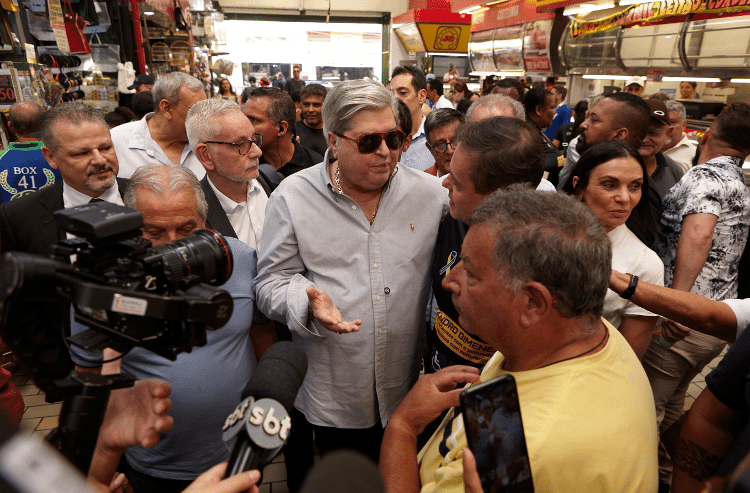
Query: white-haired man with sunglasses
x,y
344,262
227,146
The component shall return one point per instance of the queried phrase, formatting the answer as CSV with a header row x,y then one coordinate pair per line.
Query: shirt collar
x,y
420,131
325,169
228,204
74,198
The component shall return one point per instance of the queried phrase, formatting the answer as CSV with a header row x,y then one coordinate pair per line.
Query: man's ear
x,y
283,127
49,157
201,150
407,143
537,303
620,134
333,142
166,108
422,95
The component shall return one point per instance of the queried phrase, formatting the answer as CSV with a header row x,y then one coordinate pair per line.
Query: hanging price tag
x,y
58,25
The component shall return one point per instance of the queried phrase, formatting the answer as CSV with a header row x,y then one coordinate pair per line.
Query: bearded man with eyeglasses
x,y
345,263
236,190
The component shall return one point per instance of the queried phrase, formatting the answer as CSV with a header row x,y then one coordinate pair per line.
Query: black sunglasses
x,y
369,143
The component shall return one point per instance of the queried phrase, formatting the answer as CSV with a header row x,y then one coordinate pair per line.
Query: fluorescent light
x,y
625,3
148,13
431,53
740,81
585,8
506,74
691,79
470,9
607,77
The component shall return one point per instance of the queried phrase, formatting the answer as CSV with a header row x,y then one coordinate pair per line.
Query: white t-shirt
x,y
741,309
630,255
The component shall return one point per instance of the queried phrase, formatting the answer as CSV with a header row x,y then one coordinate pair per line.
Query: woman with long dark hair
x,y
226,91
611,179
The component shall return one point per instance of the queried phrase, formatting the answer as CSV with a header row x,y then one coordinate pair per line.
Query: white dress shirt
x,y
135,148
74,198
245,217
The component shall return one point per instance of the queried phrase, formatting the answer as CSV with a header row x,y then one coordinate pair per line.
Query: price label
x,y
8,88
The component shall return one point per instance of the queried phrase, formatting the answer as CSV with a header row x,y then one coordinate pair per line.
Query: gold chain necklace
x,y
338,187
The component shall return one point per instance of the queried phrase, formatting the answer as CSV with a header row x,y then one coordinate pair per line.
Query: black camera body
x,y
129,293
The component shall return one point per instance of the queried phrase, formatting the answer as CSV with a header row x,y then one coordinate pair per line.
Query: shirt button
x,y
378,298
380,331
387,290
373,233
354,207
375,266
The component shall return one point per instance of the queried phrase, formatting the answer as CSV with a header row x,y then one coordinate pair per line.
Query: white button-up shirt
x,y
245,217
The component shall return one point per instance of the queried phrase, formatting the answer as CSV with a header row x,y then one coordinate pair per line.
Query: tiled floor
x,y
40,417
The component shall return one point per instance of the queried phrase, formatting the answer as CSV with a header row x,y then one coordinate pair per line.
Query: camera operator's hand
x,y
137,415
134,416
211,481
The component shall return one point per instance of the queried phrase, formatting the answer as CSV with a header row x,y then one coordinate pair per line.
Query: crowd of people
x,y
411,250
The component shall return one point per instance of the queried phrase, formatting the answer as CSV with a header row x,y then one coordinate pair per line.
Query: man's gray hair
x,y
70,113
200,123
553,239
673,105
349,98
152,177
168,87
439,118
497,101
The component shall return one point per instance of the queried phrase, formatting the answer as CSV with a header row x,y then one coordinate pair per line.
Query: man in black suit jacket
x,y
236,190
77,143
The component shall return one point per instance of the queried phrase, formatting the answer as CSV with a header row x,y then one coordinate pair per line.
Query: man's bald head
x,y
25,118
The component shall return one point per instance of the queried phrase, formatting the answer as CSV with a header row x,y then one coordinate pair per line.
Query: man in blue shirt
x,y
564,112
23,168
207,382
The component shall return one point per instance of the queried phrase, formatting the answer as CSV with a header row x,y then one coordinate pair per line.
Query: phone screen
x,y
492,418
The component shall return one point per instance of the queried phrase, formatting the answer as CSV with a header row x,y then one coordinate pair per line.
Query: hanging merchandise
x,y
57,21
125,77
106,57
74,25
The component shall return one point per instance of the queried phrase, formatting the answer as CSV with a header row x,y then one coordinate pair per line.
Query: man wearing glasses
x,y
344,262
228,147
440,129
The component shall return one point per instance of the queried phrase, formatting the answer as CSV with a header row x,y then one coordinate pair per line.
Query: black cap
x,y
141,79
142,103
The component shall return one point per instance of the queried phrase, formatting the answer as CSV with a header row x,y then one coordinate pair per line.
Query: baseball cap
x,y
634,80
142,103
659,110
141,79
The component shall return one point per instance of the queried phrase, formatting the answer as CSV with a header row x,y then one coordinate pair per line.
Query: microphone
x,y
257,429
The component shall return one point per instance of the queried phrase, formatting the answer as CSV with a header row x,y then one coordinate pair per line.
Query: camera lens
x,y
204,254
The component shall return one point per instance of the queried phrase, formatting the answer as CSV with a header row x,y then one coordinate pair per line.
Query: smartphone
x,y
492,419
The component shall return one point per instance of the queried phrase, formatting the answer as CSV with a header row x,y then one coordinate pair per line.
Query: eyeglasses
x,y
369,143
244,146
443,146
